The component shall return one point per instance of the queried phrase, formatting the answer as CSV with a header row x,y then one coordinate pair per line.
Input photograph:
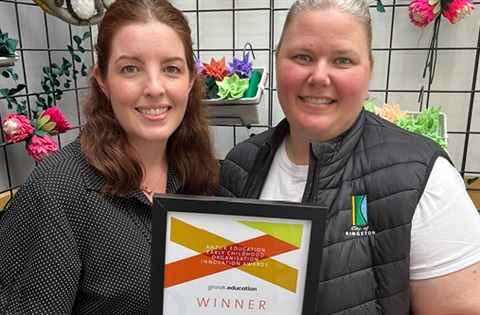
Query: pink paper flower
x,y
422,12
56,117
457,10
40,146
16,128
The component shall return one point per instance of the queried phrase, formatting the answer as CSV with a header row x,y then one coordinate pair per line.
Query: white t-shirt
x,y
445,227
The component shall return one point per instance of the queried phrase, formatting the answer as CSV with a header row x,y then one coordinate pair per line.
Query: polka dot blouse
x,y
66,249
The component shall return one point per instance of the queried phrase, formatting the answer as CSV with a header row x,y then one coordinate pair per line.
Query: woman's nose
x,y
320,74
154,85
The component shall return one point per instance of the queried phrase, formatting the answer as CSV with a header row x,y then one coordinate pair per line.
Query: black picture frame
x,y
165,203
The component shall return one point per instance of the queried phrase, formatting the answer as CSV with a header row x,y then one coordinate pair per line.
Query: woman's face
x,y
323,73
147,81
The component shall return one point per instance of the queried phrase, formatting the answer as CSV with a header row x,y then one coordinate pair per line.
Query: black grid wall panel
x,y
43,40
223,28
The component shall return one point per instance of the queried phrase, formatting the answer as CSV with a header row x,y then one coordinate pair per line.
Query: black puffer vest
x,y
365,265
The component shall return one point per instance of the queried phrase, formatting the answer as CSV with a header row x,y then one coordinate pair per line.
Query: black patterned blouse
x,y
66,249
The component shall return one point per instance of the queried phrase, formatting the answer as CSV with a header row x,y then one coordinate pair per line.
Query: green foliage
x,y
56,78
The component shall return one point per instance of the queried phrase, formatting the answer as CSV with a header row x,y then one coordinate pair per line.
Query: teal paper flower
x,y
232,88
7,45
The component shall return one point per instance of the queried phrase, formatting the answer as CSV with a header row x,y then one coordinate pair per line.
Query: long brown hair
x,y
104,143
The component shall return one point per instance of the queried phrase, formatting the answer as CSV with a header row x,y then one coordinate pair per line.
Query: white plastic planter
x,y
244,111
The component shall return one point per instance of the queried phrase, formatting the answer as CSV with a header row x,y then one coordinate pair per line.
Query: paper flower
x,y
369,106
391,112
422,12
16,128
40,145
241,67
238,80
426,123
7,45
211,87
232,88
216,69
457,10
199,65
53,121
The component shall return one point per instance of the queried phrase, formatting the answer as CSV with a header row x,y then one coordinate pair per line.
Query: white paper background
x,y
182,298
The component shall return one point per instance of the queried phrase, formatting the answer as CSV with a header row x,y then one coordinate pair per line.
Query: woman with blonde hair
x,y
402,234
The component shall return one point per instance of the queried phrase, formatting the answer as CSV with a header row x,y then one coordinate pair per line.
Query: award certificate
x,y
213,255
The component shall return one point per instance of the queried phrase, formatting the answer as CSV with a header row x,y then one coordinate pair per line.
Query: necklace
x,y
145,190
151,191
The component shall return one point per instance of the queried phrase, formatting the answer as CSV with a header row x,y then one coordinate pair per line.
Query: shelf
x,y
7,62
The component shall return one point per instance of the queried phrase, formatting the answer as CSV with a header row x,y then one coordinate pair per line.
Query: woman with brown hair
x,y
76,238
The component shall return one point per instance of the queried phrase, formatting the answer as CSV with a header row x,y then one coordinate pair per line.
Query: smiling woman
x,y
145,132
148,98
418,243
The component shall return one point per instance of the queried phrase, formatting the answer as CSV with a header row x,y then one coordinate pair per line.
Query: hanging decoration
x,y
37,127
424,12
38,133
76,12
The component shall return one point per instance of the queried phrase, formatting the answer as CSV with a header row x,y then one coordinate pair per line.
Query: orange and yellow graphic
x,y
253,256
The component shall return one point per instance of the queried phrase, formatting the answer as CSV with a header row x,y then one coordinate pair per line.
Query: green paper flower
x,y
7,45
369,106
232,88
426,124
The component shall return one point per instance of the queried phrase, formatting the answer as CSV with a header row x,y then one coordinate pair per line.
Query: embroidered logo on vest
x,y
360,225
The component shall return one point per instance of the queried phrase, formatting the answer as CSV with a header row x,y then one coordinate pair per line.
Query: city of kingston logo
x,y
359,210
360,225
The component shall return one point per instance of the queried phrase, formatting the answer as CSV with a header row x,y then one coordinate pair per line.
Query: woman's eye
x,y
172,69
343,61
129,69
303,58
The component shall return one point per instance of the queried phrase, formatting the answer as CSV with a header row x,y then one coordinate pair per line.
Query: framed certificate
x,y
214,255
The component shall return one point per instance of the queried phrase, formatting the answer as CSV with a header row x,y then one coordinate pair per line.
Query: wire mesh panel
x,y
231,28
43,41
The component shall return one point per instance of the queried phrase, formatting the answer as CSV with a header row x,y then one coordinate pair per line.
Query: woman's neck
x,y
297,151
155,166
